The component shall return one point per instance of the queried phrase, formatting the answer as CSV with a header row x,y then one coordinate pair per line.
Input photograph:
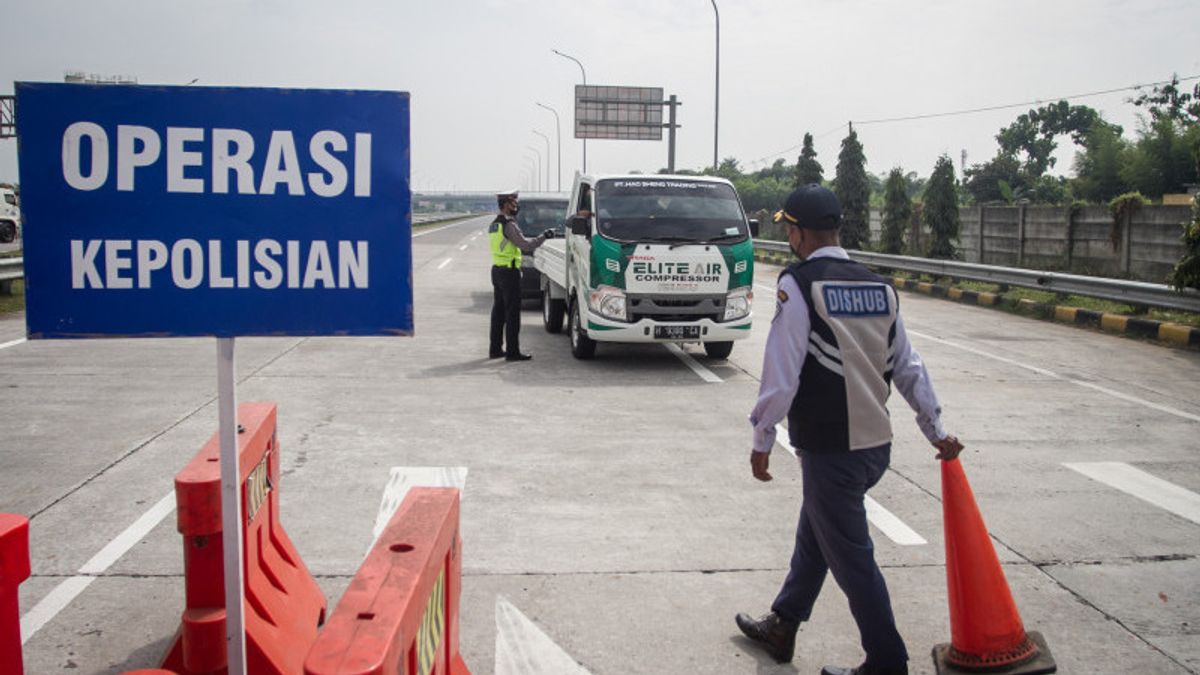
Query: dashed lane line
x,y
12,343
62,595
1053,375
444,263
704,373
422,233
1146,487
885,521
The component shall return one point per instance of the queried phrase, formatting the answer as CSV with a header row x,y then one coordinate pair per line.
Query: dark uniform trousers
x,y
506,310
833,536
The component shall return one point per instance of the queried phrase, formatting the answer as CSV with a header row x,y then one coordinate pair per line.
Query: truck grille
x,y
675,308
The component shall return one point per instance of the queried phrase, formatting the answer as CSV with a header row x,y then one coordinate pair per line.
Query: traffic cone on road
x,y
986,633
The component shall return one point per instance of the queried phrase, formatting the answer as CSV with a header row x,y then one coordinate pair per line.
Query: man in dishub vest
x,y
835,348
507,243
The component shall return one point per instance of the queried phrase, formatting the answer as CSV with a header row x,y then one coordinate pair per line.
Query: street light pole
x,y
717,94
584,73
537,153
534,169
558,138
547,139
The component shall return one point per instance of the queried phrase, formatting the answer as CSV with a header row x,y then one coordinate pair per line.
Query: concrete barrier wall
x,y
1085,241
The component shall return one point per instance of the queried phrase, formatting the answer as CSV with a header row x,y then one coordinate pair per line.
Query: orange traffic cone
x,y
986,633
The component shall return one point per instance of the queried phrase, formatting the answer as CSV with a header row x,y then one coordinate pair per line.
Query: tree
x,y
897,210
1187,271
1026,153
1171,139
994,180
941,209
808,169
780,170
729,169
1034,134
853,190
1163,159
1098,165
763,194
1170,103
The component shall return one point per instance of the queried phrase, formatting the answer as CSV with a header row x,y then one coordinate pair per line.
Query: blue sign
x,y
184,211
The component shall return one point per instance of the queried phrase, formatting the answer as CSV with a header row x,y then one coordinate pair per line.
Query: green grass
x,y
14,302
12,254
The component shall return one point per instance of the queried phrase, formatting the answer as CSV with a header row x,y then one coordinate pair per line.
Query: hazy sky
x,y
476,67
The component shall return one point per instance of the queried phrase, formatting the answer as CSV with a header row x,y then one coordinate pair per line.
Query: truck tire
x,y
552,313
718,350
582,346
8,231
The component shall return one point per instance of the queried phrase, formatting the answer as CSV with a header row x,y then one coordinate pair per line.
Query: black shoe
x,y
776,634
518,357
495,355
864,669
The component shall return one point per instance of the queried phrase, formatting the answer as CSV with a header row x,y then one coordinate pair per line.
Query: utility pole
x,y
672,104
717,93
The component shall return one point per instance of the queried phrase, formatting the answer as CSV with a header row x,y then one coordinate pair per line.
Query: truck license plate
x,y
676,332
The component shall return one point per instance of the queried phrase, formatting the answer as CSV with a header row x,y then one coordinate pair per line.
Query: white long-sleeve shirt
x,y
787,348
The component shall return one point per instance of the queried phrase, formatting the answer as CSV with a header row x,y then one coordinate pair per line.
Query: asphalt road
x,y
609,520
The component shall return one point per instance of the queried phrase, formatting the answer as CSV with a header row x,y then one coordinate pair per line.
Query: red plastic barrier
x,y
284,606
400,613
14,568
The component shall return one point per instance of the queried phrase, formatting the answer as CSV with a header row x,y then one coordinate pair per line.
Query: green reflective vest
x,y
504,252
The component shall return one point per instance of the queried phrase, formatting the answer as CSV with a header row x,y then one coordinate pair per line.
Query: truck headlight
x,y
608,302
738,303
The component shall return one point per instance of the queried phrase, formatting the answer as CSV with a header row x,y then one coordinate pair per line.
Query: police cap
x,y
505,196
811,207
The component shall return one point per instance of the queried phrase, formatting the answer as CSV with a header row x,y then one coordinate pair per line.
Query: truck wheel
x,y
582,346
8,231
552,313
718,350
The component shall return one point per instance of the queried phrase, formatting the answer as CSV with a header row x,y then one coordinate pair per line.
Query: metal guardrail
x,y
12,268
1117,290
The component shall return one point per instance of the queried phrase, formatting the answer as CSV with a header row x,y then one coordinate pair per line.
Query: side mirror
x,y
580,226
754,227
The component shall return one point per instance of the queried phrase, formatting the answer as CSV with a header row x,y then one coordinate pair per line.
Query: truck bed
x,y
551,261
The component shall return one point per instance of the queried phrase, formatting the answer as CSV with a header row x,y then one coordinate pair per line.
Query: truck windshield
x,y
676,211
535,217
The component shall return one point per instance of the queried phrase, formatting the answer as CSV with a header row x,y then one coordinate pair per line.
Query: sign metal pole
x,y
231,508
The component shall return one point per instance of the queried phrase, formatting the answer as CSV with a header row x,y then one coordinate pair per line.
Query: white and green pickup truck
x,y
651,258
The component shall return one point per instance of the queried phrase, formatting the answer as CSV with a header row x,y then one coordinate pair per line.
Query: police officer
x,y
835,347
507,243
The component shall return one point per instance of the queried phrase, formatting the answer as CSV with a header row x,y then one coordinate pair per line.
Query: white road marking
x,y
885,521
766,288
890,525
523,649
12,343
782,440
463,247
422,233
1051,374
404,478
704,373
62,595
1148,488
444,263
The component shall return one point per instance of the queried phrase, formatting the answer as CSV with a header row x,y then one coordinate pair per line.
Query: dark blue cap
x,y
811,207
